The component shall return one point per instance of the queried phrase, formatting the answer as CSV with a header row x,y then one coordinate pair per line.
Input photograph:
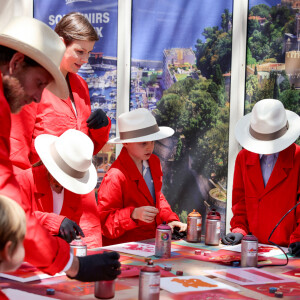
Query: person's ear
x,y
6,253
63,40
16,62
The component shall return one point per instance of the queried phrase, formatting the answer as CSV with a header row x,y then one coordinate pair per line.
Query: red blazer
x,y
257,209
37,239
37,193
123,188
53,116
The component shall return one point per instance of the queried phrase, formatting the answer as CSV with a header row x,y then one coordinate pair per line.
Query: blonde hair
x,y
12,222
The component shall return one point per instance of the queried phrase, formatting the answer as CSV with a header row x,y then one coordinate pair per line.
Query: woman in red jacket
x,y
54,115
130,201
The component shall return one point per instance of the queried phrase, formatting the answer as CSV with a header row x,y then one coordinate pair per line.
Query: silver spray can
x,y
104,289
194,225
163,239
212,228
78,247
149,284
249,251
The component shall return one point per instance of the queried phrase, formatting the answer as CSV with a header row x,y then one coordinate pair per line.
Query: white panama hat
x,y
139,125
68,158
38,41
269,128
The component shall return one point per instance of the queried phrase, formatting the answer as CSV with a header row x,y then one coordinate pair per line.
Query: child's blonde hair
x,y
12,222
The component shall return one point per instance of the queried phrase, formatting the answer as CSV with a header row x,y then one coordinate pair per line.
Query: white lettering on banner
x,y
98,17
99,31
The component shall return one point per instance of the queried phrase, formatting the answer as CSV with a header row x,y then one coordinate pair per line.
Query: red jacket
x,y
37,239
123,188
257,209
53,116
37,193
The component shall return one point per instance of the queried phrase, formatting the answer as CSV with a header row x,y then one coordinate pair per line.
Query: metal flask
x,y
149,283
163,239
78,247
212,228
194,226
249,251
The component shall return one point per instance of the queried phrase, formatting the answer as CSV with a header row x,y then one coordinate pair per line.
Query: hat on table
x,y
38,41
269,128
68,158
139,125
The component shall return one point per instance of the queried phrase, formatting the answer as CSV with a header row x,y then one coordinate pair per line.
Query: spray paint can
x,y
149,284
194,225
212,228
78,247
104,289
249,251
163,241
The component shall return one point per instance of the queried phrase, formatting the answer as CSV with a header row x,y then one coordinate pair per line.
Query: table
x,y
183,258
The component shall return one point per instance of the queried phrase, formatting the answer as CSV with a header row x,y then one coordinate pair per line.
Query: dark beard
x,y
13,92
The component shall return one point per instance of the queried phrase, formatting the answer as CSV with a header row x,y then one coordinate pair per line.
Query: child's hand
x,y
145,213
182,226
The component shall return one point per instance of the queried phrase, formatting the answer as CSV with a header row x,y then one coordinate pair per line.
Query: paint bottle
x,y
105,289
78,247
249,251
212,228
194,225
149,283
163,241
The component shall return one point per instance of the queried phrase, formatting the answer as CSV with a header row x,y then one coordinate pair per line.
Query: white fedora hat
x,y
38,41
269,128
68,158
139,125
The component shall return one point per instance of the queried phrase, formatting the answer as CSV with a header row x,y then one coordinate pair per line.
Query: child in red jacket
x,y
12,234
130,201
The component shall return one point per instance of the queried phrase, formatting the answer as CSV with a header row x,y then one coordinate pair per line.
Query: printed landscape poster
x,y
180,71
273,53
100,72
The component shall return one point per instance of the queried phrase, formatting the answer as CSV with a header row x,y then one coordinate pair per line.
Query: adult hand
x,y
69,229
97,119
145,213
181,226
232,238
294,249
98,267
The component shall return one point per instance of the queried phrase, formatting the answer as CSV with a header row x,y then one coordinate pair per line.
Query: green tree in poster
x,y
261,10
226,19
251,87
285,84
291,100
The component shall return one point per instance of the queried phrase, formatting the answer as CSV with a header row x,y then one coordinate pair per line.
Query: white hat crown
x,y
38,41
76,149
268,116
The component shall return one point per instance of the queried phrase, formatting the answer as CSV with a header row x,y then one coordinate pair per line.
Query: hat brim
x,y
248,142
59,85
163,132
80,186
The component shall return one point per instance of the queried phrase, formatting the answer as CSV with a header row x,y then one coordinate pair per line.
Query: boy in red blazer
x,y
130,201
266,181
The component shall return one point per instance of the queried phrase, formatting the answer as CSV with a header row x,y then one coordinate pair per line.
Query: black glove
x,y
69,229
232,238
98,267
294,249
177,235
97,119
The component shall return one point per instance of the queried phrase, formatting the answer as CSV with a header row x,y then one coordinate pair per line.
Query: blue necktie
x,y
149,182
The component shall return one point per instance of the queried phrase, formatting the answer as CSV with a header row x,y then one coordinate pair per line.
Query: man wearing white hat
x,y
30,55
266,181
130,201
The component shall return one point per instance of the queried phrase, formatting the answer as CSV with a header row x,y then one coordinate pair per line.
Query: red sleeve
x,y
115,218
165,211
239,221
50,221
21,136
